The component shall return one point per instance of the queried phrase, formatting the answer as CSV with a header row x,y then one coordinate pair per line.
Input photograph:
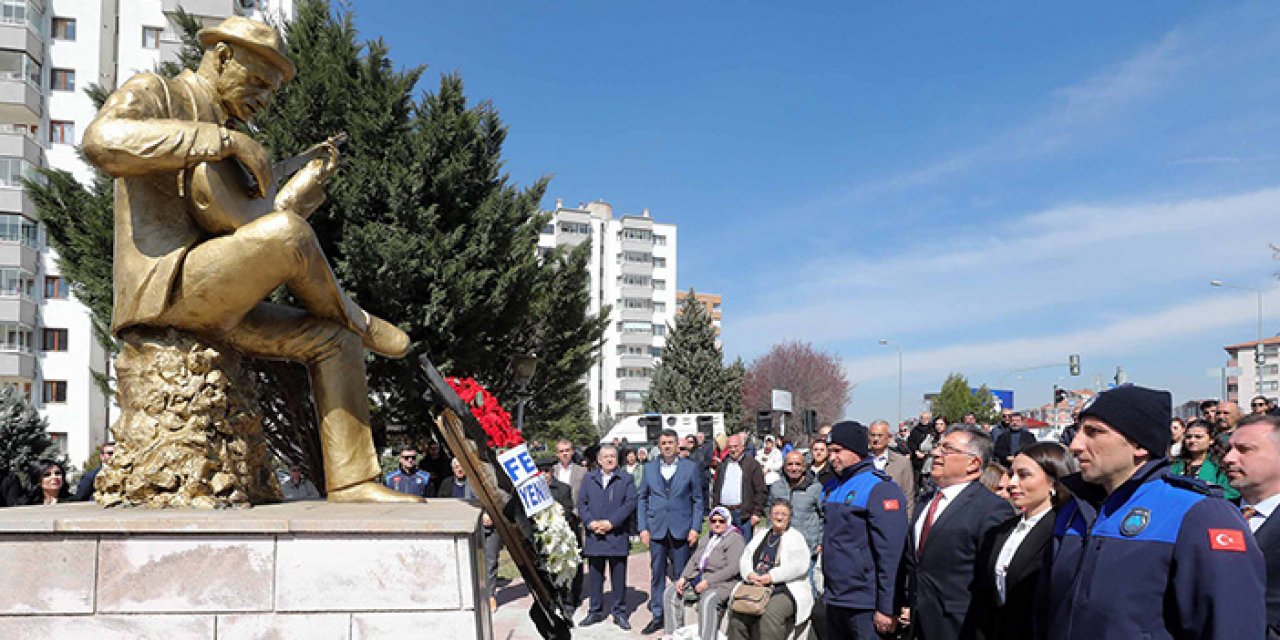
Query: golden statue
x,y
195,253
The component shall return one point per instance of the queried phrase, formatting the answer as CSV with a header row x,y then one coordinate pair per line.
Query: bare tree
x,y
817,380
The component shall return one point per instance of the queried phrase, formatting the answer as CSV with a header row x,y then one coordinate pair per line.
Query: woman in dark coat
x,y
1013,553
606,505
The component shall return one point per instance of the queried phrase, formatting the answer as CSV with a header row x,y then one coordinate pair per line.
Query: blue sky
x,y
994,186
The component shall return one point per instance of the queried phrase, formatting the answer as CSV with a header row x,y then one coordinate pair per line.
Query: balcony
x,y
635,291
18,254
16,200
644,315
633,361
637,268
19,142
21,36
20,100
633,244
17,364
633,384
643,338
17,309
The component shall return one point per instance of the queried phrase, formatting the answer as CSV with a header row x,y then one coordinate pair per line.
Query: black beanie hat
x,y
852,436
1141,414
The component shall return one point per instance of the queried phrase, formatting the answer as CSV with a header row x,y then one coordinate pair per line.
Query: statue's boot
x,y
377,335
370,491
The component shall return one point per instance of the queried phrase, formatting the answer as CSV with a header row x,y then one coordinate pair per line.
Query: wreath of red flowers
x,y
488,412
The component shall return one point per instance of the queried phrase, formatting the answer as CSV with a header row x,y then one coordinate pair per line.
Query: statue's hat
x,y
256,36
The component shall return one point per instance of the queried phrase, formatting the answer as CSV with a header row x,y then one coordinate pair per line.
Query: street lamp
x,y
1257,358
885,343
522,366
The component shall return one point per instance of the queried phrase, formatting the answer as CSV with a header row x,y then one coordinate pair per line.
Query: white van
x,y
632,428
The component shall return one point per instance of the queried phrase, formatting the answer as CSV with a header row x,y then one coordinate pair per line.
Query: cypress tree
x,y
692,377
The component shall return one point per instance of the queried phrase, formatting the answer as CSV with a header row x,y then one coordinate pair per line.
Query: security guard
x,y
1141,553
862,539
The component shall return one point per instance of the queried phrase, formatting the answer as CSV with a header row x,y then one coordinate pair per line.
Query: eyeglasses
x,y
717,520
1259,404
408,457
946,450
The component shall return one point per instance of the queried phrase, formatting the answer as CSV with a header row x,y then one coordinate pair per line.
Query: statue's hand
x,y
254,158
304,193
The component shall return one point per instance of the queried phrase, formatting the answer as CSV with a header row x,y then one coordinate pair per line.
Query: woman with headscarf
x,y
708,578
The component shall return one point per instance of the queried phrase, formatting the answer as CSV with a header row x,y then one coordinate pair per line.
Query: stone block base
x,y
300,570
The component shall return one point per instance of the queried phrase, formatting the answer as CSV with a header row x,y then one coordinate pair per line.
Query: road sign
x,y
781,400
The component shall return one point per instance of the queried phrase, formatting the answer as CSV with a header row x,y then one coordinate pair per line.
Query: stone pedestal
x,y
300,570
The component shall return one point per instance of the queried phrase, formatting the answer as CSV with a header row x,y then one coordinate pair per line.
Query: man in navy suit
x,y
1253,466
669,517
950,524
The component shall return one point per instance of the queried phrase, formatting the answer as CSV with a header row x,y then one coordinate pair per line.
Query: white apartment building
x,y
50,51
633,269
1259,370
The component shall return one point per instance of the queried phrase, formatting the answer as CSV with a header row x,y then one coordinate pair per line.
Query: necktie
x,y
928,520
1248,513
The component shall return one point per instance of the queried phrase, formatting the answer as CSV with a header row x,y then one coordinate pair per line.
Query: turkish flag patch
x,y
1226,540
891,505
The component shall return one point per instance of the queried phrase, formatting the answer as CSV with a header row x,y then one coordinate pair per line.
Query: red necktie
x,y
928,520
1248,513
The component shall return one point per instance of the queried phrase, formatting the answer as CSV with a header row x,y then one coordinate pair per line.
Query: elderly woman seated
x,y
708,578
776,557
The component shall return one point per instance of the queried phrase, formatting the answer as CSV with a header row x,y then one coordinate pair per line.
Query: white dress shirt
x,y
882,460
668,470
948,496
564,473
1010,548
1265,509
731,487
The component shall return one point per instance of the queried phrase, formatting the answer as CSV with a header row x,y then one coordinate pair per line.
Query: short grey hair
x,y
980,444
883,422
604,448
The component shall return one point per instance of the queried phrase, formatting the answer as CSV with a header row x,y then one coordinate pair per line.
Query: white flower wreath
x,y
558,544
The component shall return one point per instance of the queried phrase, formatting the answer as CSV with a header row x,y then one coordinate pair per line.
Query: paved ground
x,y
511,620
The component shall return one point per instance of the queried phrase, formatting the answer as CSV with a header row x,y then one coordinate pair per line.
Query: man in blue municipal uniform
x,y
1141,553
407,478
862,540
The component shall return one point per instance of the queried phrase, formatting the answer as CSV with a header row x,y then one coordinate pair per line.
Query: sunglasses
x,y
717,520
1259,404
408,457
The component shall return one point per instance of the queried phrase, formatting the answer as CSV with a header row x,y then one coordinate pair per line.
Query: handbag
x,y
751,599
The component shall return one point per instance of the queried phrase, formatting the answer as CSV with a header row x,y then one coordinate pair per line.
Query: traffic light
x,y
652,426
1074,362
707,426
764,423
1059,395
810,421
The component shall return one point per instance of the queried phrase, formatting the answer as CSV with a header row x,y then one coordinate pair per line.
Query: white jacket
x,y
792,568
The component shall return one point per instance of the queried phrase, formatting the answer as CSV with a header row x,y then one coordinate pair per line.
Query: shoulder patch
x,y
1134,522
1227,540
891,505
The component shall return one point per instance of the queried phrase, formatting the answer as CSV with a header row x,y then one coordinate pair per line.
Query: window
x,y
631,350
22,12
62,132
656,351
550,228
54,288
53,339
660,241
151,37
64,28
13,170
17,65
15,283
1270,386
635,327
636,256
1271,370
659,262
632,396
659,329
634,280
660,307
660,285
637,303
575,227
642,235
628,372
64,80
15,228
55,391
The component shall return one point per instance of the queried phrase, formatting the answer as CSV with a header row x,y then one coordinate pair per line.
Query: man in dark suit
x,y
744,494
669,516
606,504
1012,442
1253,466
940,565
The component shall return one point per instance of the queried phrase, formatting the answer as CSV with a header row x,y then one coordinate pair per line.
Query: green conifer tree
x,y
24,436
692,377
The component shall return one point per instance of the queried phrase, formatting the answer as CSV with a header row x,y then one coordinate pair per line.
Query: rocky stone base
x,y
189,433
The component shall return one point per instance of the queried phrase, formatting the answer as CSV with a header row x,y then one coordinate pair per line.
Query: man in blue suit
x,y
669,517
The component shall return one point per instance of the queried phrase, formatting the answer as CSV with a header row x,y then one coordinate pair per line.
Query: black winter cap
x,y
852,436
1141,414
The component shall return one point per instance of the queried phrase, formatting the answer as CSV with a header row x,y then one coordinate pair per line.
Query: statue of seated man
x,y
176,267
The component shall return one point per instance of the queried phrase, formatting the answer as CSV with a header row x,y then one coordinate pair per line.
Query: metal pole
x,y
899,425
520,414
1257,356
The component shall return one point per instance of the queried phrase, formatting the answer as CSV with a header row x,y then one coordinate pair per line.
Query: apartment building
x,y
712,303
1257,369
50,51
633,269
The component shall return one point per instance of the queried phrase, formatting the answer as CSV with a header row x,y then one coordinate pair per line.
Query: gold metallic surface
x,y
197,252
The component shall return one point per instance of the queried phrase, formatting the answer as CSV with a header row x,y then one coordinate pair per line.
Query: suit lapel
x,y
1028,556
955,507
1268,534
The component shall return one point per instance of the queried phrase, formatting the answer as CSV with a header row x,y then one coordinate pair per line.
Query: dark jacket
x,y
615,503
1011,443
1268,537
670,507
1013,620
940,581
754,491
1163,557
445,490
862,542
84,490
